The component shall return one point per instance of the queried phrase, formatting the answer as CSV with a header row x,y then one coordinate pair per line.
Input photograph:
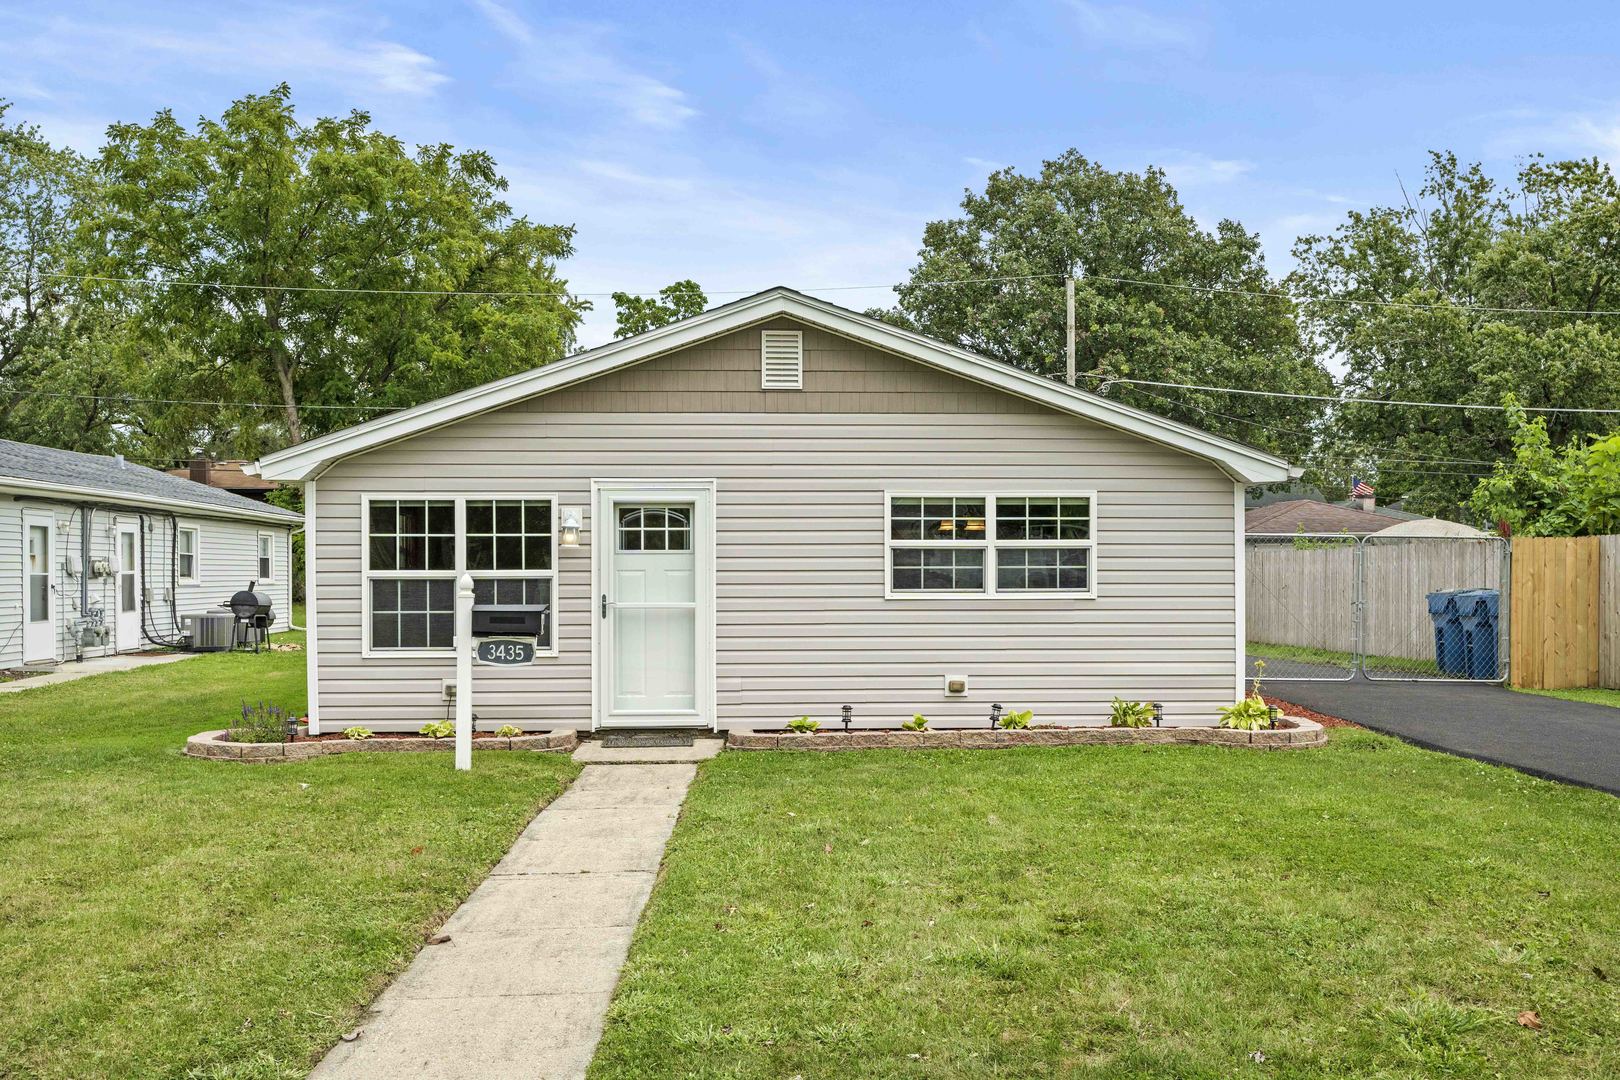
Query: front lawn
x,y
1368,909
170,917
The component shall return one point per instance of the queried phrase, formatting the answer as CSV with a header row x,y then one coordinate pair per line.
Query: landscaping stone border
x,y
1304,735
212,744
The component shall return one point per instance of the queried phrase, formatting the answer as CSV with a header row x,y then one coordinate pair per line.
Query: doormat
x,y
647,739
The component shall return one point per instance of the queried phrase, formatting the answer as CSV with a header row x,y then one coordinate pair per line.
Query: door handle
x,y
604,605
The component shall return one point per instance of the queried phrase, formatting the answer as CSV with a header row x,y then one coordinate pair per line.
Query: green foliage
x,y
804,725
356,733
508,731
1015,721
918,722
1131,714
438,729
261,723
638,314
266,206
1466,245
1546,492
1107,229
1250,714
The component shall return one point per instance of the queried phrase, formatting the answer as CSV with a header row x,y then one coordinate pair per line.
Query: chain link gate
x,y
1325,607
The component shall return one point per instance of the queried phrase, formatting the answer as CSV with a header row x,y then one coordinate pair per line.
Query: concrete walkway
x,y
100,665
522,986
1572,741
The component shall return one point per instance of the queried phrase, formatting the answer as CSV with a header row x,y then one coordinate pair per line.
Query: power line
x,y
1346,400
191,401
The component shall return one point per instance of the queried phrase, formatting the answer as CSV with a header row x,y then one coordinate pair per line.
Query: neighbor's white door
x,y
128,600
655,608
39,595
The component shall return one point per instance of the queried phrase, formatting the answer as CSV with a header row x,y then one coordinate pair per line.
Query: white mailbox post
x,y
464,668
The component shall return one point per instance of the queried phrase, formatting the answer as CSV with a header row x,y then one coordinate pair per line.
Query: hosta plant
x,y
1250,714
438,729
1124,713
356,733
804,725
508,731
1016,720
918,722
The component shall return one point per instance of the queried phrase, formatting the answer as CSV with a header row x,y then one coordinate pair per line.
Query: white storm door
x,y
128,600
39,597
655,608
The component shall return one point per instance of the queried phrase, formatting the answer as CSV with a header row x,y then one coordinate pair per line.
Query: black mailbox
x,y
509,620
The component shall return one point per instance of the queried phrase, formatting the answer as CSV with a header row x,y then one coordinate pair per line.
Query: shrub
x,y
1250,714
1124,713
508,731
804,725
1016,720
356,733
261,723
439,729
918,722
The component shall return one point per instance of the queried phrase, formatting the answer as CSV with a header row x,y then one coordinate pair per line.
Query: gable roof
x,y
1314,516
70,474
1239,461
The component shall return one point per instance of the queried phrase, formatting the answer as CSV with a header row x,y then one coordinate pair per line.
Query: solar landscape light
x,y
995,716
849,714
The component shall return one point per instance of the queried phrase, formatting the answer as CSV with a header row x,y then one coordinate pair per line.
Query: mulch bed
x,y
14,674
1309,714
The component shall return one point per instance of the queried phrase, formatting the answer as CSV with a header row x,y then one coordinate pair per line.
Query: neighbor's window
x,y
185,554
990,545
267,557
413,560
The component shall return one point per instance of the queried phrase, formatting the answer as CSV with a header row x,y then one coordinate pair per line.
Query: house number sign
x,y
505,651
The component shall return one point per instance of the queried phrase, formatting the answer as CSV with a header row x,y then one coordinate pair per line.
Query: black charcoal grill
x,y
253,614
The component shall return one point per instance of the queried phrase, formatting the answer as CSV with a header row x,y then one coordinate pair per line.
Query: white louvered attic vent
x,y
781,364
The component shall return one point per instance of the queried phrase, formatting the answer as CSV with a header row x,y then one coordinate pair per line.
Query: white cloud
x,y
788,97
1526,131
1197,170
574,59
1131,27
983,163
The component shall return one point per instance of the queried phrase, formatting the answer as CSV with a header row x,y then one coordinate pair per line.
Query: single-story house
x,y
1354,517
100,555
777,508
227,476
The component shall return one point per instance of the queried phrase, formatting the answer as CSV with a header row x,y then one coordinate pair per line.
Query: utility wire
x,y
1345,400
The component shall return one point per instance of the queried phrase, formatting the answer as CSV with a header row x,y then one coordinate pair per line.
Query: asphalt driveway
x,y
1570,741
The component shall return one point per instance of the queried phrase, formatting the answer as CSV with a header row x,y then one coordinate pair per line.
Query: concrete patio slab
x,y
592,751
100,665
522,986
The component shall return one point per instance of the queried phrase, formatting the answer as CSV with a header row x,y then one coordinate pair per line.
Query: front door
x,y
39,594
128,627
655,611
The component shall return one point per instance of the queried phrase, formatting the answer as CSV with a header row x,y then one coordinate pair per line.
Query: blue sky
x,y
807,145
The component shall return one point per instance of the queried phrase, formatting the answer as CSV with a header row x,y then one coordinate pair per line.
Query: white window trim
x,y
257,544
988,545
195,577
460,502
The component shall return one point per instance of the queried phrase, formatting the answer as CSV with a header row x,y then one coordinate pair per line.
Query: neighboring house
x,y
227,476
99,555
773,509
1315,516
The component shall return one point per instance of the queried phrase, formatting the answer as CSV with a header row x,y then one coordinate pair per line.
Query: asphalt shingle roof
x,y
1315,516
97,472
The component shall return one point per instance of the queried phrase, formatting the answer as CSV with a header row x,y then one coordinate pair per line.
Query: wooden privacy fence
x,y
1566,612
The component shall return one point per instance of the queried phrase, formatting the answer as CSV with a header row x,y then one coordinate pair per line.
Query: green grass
x,y
169,917
1368,909
1266,650
1591,697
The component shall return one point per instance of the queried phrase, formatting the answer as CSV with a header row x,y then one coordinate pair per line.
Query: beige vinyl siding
x,y
11,583
802,623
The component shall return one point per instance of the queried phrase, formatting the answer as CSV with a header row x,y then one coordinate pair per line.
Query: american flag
x,y
1360,489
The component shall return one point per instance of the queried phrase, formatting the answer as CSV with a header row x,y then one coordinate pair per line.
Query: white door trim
x,y
133,642
33,652
702,494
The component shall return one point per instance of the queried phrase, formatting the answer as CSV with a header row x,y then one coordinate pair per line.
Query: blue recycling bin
x,y
1479,612
1450,649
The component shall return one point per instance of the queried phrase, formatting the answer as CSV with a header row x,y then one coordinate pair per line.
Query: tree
x,y
1466,294
991,280
1548,492
326,266
63,363
638,314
